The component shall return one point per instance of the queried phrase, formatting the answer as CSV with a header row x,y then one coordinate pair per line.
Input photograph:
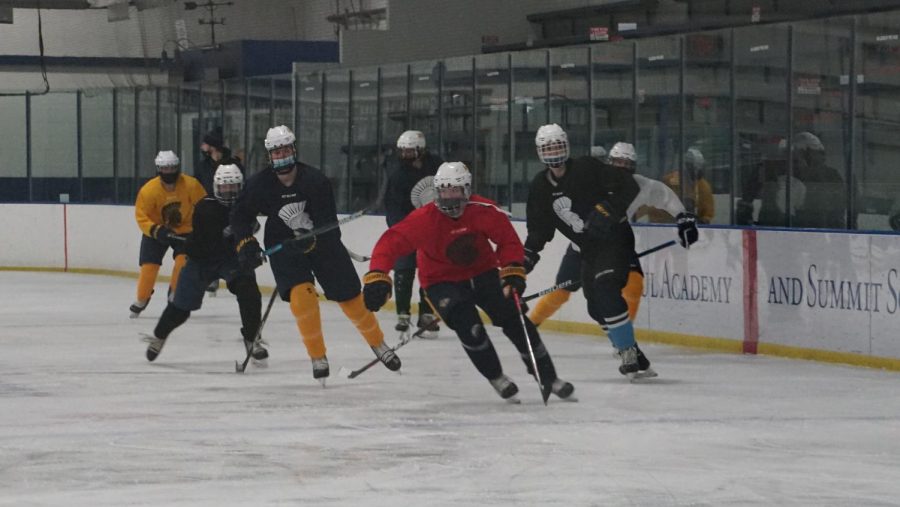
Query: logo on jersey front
x,y
562,206
422,192
294,216
462,251
171,214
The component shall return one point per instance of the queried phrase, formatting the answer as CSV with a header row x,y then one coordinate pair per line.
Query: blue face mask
x,y
285,164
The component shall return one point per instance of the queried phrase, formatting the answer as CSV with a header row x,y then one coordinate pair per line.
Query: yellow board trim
x,y
582,328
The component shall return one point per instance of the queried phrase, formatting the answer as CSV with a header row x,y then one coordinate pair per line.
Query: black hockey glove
x,y
512,278
304,241
162,234
531,259
376,289
250,255
601,220
895,221
687,229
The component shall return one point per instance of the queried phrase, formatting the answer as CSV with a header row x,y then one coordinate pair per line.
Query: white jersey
x,y
654,194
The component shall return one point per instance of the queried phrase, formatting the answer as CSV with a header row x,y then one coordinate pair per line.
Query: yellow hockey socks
x,y
363,319
632,292
305,307
548,305
146,280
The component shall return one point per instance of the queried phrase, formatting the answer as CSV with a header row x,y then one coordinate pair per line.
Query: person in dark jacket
x,y
410,186
213,153
211,256
298,200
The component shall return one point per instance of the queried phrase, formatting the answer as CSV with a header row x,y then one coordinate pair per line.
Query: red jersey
x,y
451,250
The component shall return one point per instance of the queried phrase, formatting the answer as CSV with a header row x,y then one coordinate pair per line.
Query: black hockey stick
x,y
318,230
548,290
240,367
545,390
567,283
404,339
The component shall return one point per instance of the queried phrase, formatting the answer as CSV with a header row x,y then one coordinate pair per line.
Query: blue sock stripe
x,y
622,335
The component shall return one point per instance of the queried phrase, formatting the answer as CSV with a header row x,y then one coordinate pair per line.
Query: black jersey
x,y
564,204
406,184
307,204
209,240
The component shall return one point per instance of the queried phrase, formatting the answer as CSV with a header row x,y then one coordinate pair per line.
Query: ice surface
x,y
86,420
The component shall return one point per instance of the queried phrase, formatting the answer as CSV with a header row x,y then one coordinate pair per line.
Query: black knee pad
x,y
605,300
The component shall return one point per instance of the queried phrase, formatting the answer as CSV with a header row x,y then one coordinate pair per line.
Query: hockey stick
x,y
358,258
318,230
404,339
567,283
240,367
545,390
548,290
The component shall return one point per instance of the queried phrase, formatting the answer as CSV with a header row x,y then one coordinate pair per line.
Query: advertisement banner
x,y
815,290
697,291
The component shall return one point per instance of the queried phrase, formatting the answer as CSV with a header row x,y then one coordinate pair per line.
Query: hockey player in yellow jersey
x,y
163,210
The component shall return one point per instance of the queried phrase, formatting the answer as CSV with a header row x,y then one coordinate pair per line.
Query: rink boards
x,y
830,296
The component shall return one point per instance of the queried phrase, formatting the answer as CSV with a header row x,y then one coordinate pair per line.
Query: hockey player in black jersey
x,y
298,198
587,201
409,187
211,256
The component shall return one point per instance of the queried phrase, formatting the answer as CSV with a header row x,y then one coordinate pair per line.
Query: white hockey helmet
x,y
167,158
808,141
411,139
452,175
693,157
279,136
622,155
552,144
227,183
598,152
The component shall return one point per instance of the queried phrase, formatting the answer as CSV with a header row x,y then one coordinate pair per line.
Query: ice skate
x,y
212,289
644,369
258,353
320,369
154,345
429,323
402,322
137,307
506,388
629,366
387,356
563,390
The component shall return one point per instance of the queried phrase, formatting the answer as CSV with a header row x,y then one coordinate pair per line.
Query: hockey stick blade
x,y
357,257
405,338
240,367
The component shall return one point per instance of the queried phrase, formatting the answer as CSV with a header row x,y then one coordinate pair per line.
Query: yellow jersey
x,y
156,206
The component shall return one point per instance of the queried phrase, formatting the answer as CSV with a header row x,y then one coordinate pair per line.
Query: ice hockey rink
x,y
86,420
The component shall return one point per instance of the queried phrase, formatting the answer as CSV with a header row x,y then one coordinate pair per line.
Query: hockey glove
x,y
376,289
512,278
895,221
687,229
304,241
601,220
162,234
250,255
531,259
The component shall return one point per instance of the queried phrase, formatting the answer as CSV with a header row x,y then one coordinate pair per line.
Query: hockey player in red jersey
x,y
459,270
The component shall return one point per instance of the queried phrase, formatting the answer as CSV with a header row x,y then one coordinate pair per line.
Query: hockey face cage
x,y
452,200
227,193
554,152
